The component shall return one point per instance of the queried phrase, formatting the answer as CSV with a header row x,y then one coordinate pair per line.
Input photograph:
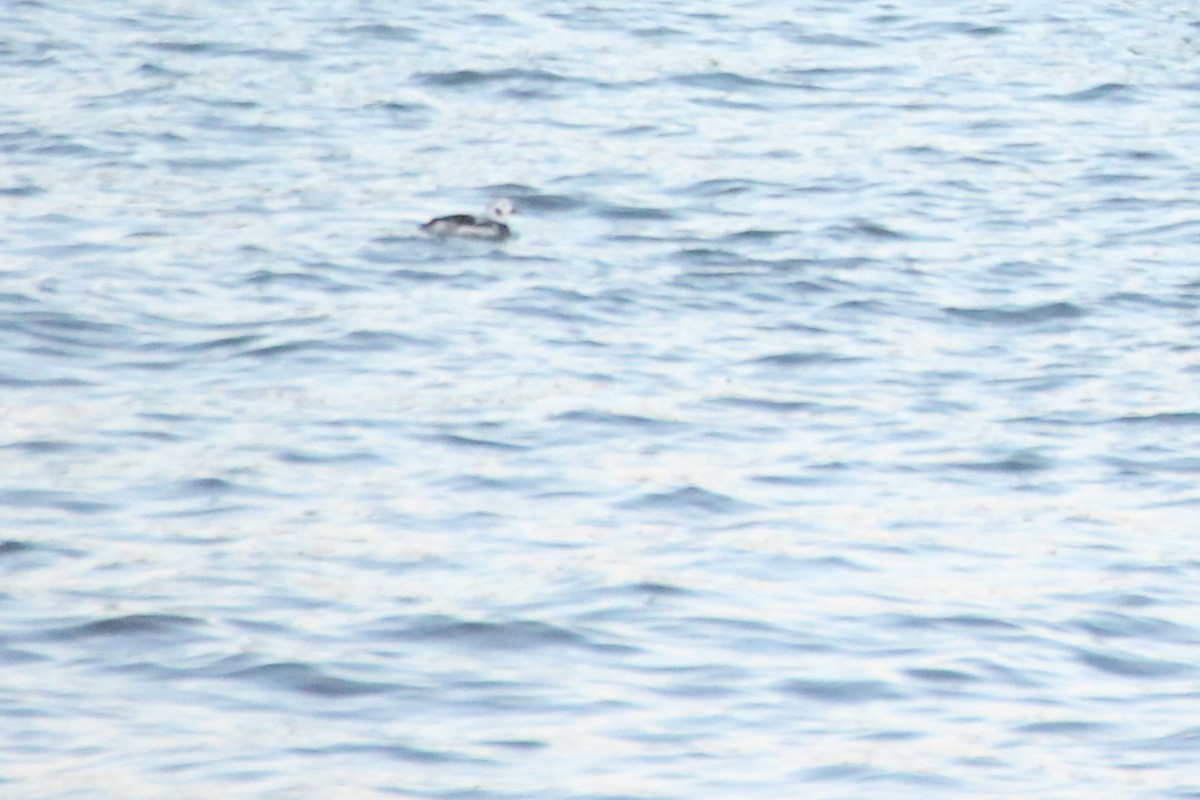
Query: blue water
x,y
830,429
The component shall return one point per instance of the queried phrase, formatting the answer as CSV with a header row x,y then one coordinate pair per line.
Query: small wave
x,y
386,753
727,187
225,49
459,442
763,236
543,203
1128,665
422,276
159,71
658,32
1020,462
21,190
1185,232
1111,625
614,419
383,32
801,359
377,342
865,229
951,622
849,692
293,279
942,677
837,72
411,116
51,499
469,78
207,489
41,446
208,164
1029,315
65,328
1129,466
810,40
689,499
1064,727
12,546
621,212
795,481
131,625
513,635
395,107
727,81
1104,92
1164,418
25,382
310,457
710,257
1186,740
308,679
297,346
273,54
775,405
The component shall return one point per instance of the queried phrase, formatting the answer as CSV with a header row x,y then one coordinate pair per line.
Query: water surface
x,y
829,430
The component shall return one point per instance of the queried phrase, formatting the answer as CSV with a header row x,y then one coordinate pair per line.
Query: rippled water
x,y
830,429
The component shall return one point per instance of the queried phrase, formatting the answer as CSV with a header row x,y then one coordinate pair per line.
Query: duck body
x,y
490,226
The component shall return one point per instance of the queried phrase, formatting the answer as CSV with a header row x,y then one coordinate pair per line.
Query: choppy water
x,y
830,430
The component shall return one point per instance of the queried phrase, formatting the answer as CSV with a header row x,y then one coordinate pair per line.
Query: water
x,y
829,431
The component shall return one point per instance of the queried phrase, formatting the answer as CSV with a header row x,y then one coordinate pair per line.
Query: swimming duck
x,y
489,226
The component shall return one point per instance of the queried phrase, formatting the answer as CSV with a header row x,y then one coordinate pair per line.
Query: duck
x,y
488,226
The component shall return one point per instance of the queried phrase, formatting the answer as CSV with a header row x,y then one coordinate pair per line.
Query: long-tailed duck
x,y
489,226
